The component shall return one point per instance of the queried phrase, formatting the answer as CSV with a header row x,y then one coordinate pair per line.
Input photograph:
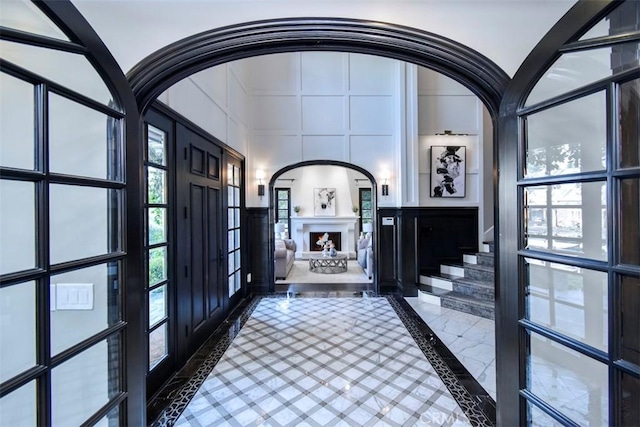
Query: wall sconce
x,y
260,176
448,132
385,184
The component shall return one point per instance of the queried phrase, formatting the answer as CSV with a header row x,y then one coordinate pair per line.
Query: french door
x,y
569,203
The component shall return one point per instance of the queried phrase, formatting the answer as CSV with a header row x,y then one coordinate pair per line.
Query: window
x,y
366,206
233,230
283,209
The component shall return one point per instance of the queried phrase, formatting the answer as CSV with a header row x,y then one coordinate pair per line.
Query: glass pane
x,y
538,418
366,195
616,22
630,319
156,145
112,419
237,217
573,383
237,238
576,69
157,345
283,215
236,176
82,211
570,300
283,195
629,224
237,257
17,329
367,215
85,383
67,69
628,125
237,281
283,204
157,185
366,205
157,265
230,201
89,150
18,225
569,138
630,397
229,174
17,123
157,225
157,305
576,211
230,218
83,303
19,407
231,261
25,16
232,285
231,242
236,196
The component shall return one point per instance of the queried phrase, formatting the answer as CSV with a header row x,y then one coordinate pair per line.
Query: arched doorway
x,y
301,227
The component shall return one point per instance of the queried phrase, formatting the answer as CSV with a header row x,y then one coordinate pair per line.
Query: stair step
x,y
456,269
431,294
489,246
470,259
468,304
480,289
479,272
439,280
486,258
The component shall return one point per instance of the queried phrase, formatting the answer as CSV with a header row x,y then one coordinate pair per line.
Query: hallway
x,y
325,361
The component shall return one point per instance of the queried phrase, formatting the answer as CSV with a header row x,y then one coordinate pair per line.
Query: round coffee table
x,y
319,263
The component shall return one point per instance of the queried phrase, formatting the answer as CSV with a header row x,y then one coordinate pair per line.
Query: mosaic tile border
x,y
181,397
469,405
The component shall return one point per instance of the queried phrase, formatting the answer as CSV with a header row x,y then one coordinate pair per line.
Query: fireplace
x,y
334,236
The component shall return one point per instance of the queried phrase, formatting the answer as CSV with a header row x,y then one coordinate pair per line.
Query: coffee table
x,y
319,263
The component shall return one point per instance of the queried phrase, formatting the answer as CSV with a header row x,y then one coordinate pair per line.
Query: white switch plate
x,y
74,296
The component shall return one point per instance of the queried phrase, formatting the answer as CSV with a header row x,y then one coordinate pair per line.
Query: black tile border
x,y
476,403
167,406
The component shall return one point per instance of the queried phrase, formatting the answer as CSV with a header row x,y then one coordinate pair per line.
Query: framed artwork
x,y
448,171
324,201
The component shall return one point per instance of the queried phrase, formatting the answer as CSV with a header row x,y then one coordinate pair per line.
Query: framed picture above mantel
x,y
448,171
324,201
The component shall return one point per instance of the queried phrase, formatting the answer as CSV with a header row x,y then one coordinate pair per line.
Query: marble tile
x,y
336,377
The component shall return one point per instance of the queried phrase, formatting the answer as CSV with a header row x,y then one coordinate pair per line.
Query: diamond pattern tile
x,y
325,361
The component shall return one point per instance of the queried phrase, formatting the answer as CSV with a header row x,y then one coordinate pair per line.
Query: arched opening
x,y
341,222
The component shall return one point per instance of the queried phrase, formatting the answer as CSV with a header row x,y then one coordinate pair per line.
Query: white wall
x,y
217,100
303,180
325,105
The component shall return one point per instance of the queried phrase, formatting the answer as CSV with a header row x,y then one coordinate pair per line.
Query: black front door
x,y
201,302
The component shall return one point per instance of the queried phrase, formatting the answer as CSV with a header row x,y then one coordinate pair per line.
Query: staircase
x,y
467,287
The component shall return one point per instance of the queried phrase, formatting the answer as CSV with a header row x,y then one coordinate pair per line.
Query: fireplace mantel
x,y
301,226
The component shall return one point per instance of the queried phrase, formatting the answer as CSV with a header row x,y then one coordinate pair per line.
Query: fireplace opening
x,y
334,236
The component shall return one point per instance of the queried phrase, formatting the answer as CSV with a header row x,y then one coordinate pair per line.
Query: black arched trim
x,y
272,208
160,70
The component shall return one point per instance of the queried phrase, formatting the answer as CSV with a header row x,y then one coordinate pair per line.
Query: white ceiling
x,y
505,31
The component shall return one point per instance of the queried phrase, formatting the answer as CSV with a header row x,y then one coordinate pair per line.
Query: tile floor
x,y
329,361
470,338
